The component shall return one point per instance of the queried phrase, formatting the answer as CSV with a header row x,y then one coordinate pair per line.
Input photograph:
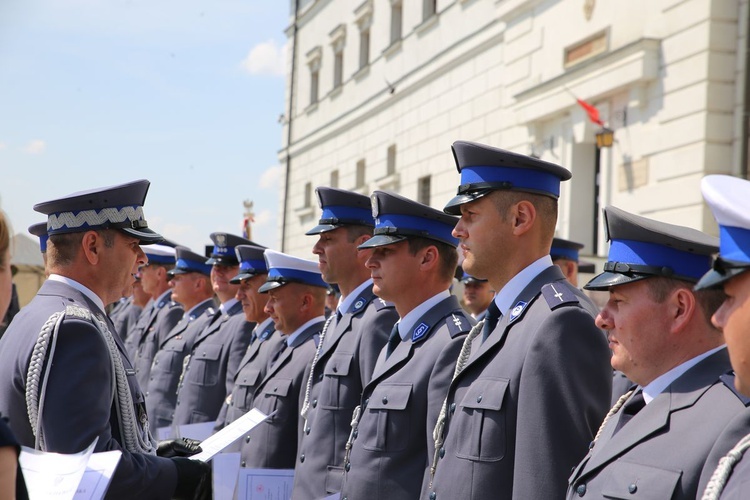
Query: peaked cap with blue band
x,y
565,249
641,248
284,268
187,261
485,169
223,252
341,208
727,197
40,231
398,218
252,262
160,254
113,207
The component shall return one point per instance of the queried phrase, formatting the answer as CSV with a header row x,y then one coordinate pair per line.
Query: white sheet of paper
x,y
229,434
226,467
98,475
265,484
53,475
197,431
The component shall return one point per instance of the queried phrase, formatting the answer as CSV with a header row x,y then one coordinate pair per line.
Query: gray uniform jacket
x,y
661,451
529,401
125,316
251,372
273,444
79,403
210,370
161,391
347,358
400,406
152,328
737,486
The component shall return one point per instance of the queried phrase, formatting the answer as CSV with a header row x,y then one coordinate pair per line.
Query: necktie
x,y
282,348
216,316
632,407
490,320
393,341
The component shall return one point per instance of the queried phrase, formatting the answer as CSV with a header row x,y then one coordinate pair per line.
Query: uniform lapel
x,y
284,356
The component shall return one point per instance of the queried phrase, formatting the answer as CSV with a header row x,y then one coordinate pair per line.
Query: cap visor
x,y
242,276
607,279
146,235
715,279
453,207
321,228
270,285
222,261
381,240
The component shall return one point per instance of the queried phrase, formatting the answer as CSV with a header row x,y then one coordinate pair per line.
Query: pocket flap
x,y
486,394
278,387
248,377
175,345
626,479
209,351
338,365
390,397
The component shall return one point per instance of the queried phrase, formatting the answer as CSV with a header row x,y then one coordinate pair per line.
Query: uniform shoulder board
x,y
458,323
381,304
558,294
78,312
728,379
210,311
359,304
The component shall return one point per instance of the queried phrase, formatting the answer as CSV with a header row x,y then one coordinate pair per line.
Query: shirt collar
x,y
263,325
660,383
345,303
163,295
81,288
406,324
196,306
226,306
506,297
296,333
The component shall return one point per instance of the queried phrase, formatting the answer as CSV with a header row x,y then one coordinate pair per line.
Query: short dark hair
x,y
546,207
448,254
709,301
62,248
355,231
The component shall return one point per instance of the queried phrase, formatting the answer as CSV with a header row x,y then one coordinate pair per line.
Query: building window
x,y
338,39
423,195
364,48
396,20
313,62
308,195
390,166
363,18
334,183
429,8
360,177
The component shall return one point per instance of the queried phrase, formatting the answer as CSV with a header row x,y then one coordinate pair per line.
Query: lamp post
x,y
605,137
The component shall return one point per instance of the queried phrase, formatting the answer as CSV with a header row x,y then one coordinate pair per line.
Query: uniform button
x,y
335,369
433,495
581,490
385,400
591,445
156,362
247,439
479,398
307,431
453,408
347,467
302,458
275,389
315,403
244,380
632,488
320,377
367,401
243,463
147,391
442,452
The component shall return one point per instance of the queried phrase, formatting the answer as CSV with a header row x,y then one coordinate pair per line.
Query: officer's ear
x,y
91,244
523,216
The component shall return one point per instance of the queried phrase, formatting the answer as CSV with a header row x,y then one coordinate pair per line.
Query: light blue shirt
x,y
506,297
226,306
406,324
661,382
81,288
296,333
346,302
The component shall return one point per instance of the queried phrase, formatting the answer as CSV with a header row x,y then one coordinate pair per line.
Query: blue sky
x,y
185,93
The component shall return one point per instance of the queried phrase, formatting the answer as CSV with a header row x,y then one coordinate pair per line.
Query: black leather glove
x,y
181,447
193,479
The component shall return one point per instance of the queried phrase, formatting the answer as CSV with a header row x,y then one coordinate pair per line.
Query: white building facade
x,y
378,90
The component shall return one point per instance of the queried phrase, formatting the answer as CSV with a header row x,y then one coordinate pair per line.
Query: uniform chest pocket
x,y
389,422
205,360
629,480
479,422
277,397
244,388
337,384
170,357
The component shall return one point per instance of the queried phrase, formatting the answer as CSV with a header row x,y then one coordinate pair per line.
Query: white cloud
x,y
36,147
263,218
270,178
3,145
266,58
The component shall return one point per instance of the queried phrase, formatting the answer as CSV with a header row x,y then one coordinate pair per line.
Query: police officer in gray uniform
x,y
65,378
158,319
209,372
296,303
534,381
661,337
264,340
412,264
191,288
349,346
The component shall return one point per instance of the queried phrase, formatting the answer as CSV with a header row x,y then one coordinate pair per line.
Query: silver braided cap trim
x,y
93,218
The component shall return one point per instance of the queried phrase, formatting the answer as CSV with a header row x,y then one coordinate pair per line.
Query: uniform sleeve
x,y
78,407
373,338
564,394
